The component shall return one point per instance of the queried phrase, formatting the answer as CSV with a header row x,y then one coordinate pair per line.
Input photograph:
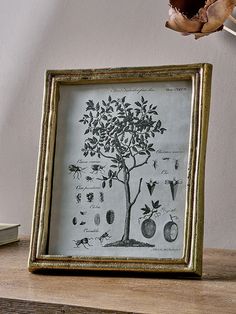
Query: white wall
x,y
38,35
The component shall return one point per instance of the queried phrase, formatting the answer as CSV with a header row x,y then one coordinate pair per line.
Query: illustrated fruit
x,y
97,219
170,231
110,216
148,228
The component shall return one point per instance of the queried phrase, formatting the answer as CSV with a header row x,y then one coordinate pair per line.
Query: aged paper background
x,y
173,100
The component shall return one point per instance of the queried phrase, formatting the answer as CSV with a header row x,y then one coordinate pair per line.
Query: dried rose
x,y
199,17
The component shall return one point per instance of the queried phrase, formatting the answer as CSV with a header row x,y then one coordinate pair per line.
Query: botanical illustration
x,y
121,161
123,134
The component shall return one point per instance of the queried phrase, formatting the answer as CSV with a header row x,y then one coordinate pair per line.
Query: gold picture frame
x,y
93,210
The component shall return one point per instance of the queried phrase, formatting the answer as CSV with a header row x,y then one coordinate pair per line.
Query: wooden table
x,y
23,292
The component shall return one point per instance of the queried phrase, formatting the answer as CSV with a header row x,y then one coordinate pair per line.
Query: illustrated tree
x,y
123,134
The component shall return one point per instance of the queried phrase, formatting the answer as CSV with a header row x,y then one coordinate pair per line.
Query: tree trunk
x,y
125,236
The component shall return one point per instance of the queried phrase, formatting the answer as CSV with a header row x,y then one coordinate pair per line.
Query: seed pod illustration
x,y
97,219
74,221
110,217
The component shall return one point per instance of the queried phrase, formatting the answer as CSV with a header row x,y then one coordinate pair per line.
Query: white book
x,y
8,233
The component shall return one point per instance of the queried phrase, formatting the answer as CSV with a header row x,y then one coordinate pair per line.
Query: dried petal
x,y
199,17
181,23
217,13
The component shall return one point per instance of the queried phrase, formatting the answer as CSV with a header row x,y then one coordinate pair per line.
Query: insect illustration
x,y
89,179
105,236
90,197
84,242
176,164
78,197
155,164
97,168
76,170
101,197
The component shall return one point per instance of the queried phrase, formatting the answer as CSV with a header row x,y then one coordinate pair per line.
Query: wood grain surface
x,y
24,292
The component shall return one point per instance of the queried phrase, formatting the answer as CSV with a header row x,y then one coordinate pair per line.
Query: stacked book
x,y
8,233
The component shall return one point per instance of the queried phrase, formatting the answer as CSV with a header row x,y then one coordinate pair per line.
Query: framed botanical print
x,y
120,178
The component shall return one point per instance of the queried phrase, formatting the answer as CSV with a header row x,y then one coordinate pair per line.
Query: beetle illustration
x,y
83,241
105,236
97,168
76,170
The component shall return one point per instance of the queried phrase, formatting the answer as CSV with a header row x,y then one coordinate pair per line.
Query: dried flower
x,y
199,17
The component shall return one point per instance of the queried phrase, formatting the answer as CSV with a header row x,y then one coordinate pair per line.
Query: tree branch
x,y
139,190
139,165
106,156
117,179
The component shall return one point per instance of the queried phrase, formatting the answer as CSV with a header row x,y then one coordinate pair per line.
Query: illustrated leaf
x,y
156,204
103,184
162,130
86,132
158,125
110,183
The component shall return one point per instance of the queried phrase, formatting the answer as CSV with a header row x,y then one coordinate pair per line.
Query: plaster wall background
x,y
57,34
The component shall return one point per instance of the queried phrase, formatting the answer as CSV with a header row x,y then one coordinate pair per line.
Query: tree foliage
x,y
120,132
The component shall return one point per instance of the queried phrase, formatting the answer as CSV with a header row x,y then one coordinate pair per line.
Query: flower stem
x,y
229,30
232,19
